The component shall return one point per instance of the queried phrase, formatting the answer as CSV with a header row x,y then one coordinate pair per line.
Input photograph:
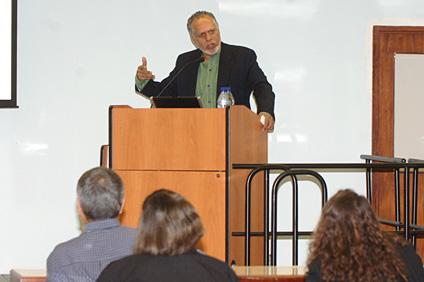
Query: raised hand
x,y
143,73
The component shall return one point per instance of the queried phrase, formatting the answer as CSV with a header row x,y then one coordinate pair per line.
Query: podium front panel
x,y
204,190
191,151
168,139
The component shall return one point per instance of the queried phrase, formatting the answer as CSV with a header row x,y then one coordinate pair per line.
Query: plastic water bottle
x,y
225,98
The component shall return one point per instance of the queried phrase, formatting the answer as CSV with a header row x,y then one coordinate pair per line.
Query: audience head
x,y
350,243
349,216
100,194
169,225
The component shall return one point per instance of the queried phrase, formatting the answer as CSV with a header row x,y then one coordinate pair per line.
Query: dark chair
x,y
274,233
295,210
369,159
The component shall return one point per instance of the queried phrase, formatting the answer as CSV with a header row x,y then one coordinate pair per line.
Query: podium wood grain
x,y
191,151
168,139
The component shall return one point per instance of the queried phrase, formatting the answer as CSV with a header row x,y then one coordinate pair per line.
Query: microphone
x,y
200,59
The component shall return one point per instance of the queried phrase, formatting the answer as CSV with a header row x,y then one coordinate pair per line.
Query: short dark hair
x,y
196,15
169,225
100,193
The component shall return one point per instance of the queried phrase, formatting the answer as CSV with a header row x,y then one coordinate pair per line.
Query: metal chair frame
x,y
295,209
410,227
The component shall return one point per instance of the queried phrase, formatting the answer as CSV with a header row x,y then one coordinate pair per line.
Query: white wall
x,y
75,58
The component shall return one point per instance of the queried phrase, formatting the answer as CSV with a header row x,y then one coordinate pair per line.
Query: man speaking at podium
x,y
202,72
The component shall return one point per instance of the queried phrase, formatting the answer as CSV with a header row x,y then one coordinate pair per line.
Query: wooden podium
x,y
191,151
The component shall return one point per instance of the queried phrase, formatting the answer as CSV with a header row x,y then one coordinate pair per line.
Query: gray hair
x,y
196,15
100,192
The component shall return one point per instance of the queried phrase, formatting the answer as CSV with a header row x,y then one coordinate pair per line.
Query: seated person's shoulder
x,y
214,264
66,248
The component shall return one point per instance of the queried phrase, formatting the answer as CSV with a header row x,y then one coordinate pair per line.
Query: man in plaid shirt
x,y
100,200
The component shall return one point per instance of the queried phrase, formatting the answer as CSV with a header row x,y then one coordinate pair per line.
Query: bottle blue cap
x,y
225,88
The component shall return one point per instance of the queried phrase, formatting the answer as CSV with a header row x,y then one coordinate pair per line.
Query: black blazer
x,y
238,69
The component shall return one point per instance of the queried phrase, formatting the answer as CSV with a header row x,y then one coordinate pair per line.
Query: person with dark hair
x,y
349,245
100,200
169,228
224,66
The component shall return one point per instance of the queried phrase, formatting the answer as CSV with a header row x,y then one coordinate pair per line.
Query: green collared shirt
x,y
207,78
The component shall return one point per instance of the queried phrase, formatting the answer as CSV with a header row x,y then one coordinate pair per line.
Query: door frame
x,y
388,41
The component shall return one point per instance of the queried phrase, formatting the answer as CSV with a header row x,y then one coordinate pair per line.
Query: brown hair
x,y
169,225
350,244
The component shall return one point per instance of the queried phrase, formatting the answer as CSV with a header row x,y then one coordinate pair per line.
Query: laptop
x,y
176,102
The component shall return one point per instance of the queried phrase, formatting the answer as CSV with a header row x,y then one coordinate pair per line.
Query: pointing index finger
x,y
144,62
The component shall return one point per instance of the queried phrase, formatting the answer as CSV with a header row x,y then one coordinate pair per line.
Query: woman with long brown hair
x,y
349,245
168,231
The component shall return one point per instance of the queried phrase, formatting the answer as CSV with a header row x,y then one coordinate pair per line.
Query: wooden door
x,y
388,41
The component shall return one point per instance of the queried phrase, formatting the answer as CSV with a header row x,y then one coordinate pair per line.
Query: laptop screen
x,y
176,102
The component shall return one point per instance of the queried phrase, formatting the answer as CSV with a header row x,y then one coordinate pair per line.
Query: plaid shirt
x,y
84,257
